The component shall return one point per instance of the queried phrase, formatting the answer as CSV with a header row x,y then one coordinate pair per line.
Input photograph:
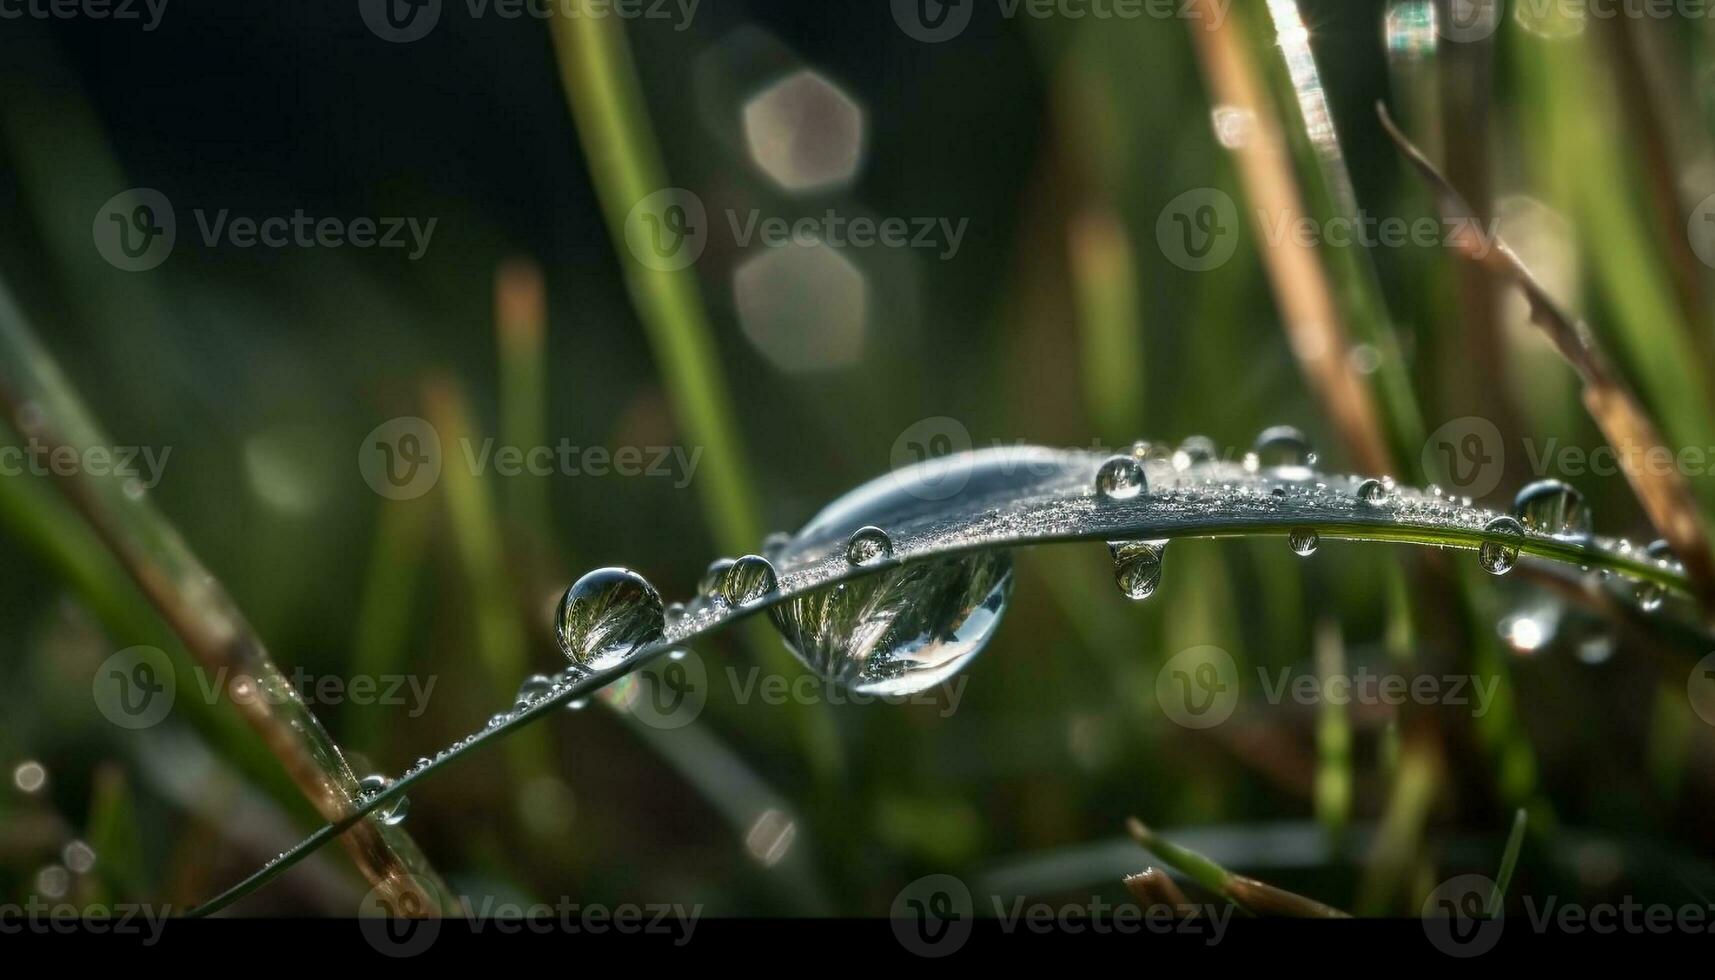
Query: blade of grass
x,y
1663,491
1333,737
1210,500
1509,863
1249,894
43,406
1110,323
625,163
1310,312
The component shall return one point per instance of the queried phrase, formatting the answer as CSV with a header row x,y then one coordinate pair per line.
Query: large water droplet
x,y
749,579
606,615
1121,478
1373,492
1137,567
1303,541
1499,557
868,544
392,815
1552,507
907,628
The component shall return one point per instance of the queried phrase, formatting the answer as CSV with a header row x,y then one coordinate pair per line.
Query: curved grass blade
x,y
1213,500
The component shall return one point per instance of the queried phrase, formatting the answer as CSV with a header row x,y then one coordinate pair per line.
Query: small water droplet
x,y
1303,541
1195,450
1552,507
868,544
1499,557
1650,596
577,704
1373,492
606,615
393,815
1137,567
709,586
535,687
1281,447
674,612
1121,478
749,579
774,545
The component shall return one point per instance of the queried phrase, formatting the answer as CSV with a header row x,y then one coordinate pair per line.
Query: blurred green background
x,y
1059,320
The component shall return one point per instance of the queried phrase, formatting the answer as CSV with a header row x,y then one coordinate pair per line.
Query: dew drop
x,y
709,586
1303,541
534,688
1650,596
747,580
393,815
1281,447
1121,478
906,628
1195,450
606,615
1373,492
774,545
1554,508
868,544
1137,567
1499,557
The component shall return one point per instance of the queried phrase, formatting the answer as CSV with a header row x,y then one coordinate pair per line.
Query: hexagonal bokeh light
x,y
805,306
805,133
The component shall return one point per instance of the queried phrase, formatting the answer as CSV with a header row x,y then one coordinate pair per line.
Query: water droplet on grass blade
x,y
747,580
393,815
709,586
868,544
1499,557
907,628
1281,447
534,688
1303,541
1373,492
1121,478
1137,567
1195,450
606,615
1552,507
